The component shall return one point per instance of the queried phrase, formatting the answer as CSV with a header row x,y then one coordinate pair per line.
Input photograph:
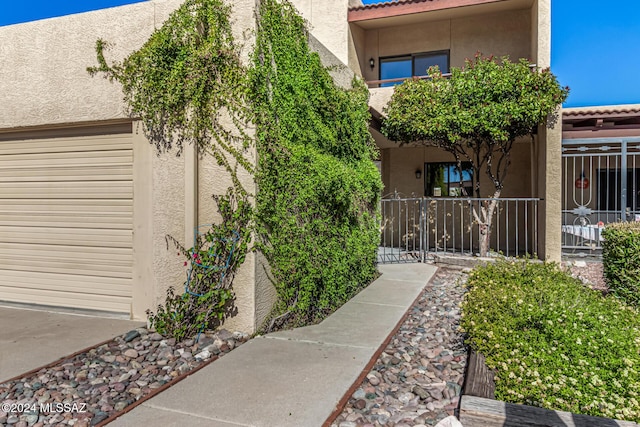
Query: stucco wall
x,y
549,150
400,164
504,33
44,84
43,77
328,23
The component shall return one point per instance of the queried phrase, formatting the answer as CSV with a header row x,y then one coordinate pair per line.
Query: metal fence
x,y
601,184
417,229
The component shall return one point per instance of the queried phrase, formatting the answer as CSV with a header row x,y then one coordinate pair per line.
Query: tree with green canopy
x,y
476,114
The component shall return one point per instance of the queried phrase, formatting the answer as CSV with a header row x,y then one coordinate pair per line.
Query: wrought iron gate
x,y
417,229
600,184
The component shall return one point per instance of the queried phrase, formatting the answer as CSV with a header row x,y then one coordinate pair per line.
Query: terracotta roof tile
x,y
387,4
611,110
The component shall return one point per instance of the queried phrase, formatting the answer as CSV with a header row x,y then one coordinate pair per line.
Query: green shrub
x,y
318,188
553,342
208,297
621,259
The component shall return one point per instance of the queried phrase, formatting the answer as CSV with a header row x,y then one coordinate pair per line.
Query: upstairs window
x,y
404,67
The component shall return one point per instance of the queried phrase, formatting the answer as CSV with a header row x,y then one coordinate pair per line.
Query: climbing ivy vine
x,y
318,187
187,84
315,213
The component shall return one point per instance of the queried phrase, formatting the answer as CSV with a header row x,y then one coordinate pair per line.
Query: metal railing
x,y
402,230
417,229
600,185
389,82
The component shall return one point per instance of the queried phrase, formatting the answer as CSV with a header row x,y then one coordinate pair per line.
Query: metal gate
x,y
600,184
418,229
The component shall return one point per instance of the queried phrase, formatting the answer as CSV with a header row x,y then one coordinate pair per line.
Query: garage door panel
x,y
64,145
75,173
66,221
66,299
67,190
61,158
79,268
109,221
65,282
99,255
67,236
67,206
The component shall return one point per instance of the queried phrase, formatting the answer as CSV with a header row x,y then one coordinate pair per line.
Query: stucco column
x,y
190,193
143,277
550,190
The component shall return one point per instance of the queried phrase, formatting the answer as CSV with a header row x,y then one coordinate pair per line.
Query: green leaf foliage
x,y
208,298
486,100
316,204
621,260
318,187
553,342
476,113
187,83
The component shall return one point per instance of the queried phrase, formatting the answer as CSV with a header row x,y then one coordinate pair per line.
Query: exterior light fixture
x,y
418,173
372,63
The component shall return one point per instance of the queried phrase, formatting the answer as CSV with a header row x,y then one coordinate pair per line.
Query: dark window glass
x,y
403,67
395,68
421,63
443,180
610,187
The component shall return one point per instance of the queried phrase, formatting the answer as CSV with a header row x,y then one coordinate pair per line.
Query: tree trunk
x,y
484,222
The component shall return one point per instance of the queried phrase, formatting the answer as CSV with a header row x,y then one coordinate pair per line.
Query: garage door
x,y
66,214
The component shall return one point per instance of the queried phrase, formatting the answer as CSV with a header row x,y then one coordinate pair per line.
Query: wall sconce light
x,y
372,63
418,174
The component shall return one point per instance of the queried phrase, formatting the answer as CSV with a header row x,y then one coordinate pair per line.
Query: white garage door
x,y
66,214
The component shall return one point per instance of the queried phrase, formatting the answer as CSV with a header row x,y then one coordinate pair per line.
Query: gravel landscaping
x,y
418,377
589,272
90,387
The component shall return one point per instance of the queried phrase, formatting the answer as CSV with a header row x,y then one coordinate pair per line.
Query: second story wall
x,y
328,23
501,33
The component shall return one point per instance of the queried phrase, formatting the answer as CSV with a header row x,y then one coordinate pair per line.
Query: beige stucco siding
x,y
400,164
44,85
505,33
43,77
328,23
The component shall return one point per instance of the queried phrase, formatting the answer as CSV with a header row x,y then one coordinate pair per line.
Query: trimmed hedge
x,y
553,342
621,259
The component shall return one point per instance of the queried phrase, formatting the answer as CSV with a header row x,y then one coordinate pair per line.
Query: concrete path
x,y
291,378
32,338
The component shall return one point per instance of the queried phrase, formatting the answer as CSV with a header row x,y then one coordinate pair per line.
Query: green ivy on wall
x,y
187,84
318,187
317,195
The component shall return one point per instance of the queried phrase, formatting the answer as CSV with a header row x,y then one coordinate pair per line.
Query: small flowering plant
x,y
553,342
218,251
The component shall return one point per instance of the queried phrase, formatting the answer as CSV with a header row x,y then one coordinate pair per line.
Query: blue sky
x,y
15,11
595,44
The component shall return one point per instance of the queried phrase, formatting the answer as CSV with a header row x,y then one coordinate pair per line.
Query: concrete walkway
x,y
292,378
32,338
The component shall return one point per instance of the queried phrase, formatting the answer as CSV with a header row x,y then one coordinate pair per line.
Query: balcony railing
x,y
378,83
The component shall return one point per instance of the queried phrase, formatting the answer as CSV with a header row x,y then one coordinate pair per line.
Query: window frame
x,y
412,56
466,166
